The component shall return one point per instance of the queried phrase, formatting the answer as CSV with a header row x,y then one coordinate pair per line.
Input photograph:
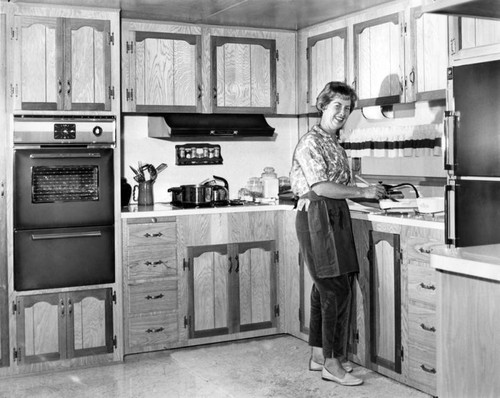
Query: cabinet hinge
x,y
14,35
115,341
111,90
186,264
300,259
129,94
453,46
14,308
400,255
402,353
276,256
130,47
277,310
187,321
307,96
113,297
403,29
277,55
16,354
111,38
356,336
277,98
307,53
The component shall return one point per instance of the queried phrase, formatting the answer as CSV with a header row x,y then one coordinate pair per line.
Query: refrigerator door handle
x,y
449,215
451,123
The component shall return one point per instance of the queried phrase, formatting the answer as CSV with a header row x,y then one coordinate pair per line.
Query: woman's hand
x,y
374,192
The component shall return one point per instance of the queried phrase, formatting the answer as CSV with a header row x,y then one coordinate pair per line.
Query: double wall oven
x,y
63,202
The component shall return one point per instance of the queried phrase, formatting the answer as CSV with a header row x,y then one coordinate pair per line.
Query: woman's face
x,y
335,114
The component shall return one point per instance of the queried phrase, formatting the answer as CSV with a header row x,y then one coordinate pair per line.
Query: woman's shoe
x,y
347,366
314,366
347,380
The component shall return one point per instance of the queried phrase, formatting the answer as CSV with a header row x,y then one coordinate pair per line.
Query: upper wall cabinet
x,y
326,61
61,64
473,39
161,68
378,60
428,60
243,75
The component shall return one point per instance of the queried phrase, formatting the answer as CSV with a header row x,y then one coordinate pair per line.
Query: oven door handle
x,y
64,155
89,234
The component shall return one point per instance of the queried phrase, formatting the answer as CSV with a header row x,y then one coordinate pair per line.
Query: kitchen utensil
x,y
161,167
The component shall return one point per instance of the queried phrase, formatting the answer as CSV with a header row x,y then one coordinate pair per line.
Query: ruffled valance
x,y
393,141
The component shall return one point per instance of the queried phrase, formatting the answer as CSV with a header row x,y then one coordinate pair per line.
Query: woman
x,y
320,177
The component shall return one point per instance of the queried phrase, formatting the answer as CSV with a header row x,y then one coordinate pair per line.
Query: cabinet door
x,y
209,277
254,266
428,61
89,322
473,38
379,60
243,75
326,61
41,329
87,65
164,71
385,300
38,52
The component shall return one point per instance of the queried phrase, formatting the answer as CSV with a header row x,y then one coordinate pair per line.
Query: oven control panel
x,y
64,130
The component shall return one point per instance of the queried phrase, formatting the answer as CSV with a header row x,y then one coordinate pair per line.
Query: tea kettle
x,y
220,193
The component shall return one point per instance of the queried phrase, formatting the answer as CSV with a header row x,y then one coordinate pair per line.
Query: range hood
x,y
467,8
206,125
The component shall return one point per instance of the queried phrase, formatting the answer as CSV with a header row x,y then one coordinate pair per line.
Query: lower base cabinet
x,y
67,325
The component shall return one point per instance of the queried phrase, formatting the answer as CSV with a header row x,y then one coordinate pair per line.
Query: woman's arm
x,y
340,191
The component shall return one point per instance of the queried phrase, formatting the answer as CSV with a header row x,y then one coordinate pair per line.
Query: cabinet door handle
x,y
154,263
70,307
215,92
427,328
428,370
59,84
68,84
199,91
237,268
412,76
63,307
159,296
428,287
426,251
230,265
158,330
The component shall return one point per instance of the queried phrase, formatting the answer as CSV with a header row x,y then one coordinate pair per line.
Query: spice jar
x,y
270,183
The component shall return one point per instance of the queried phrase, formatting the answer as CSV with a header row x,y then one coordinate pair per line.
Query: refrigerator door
x,y
473,212
476,92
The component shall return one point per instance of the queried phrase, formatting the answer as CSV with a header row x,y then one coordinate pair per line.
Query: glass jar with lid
x,y
270,183
254,186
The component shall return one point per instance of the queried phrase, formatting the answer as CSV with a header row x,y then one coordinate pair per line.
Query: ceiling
x,y
267,14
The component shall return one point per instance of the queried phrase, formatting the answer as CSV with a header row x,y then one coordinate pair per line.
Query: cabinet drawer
x,y
154,331
151,262
151,234
423,375
150,297
422,328
422,284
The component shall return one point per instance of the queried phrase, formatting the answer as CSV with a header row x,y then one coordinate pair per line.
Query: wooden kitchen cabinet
x,y
243,75
230,263
326,61
151,287
161,67
473,40
56,326
427,63
61,64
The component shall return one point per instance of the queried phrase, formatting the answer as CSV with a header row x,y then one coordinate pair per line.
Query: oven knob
x,y
97,131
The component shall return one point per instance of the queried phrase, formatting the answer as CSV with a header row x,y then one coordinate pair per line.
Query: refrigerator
x,y
472,155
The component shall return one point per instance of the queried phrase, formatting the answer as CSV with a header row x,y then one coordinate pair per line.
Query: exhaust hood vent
x,y
197,125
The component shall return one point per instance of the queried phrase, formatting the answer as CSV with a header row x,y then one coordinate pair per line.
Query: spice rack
x,y
196,154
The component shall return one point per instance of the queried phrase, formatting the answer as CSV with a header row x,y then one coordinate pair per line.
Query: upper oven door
x,y
63,187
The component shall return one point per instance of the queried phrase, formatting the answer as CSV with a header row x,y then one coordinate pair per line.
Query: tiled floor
x,y
270,367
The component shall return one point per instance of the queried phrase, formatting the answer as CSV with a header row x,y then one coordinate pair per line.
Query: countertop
x,y
166,209
475,261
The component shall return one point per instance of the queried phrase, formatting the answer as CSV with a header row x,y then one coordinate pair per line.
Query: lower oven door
x,y
63,187
63,257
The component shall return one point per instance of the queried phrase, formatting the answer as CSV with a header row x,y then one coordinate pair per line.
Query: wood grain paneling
x,y
152,331
153,296
151,262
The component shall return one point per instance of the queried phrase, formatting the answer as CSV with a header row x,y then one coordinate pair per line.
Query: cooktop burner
x,y
222,203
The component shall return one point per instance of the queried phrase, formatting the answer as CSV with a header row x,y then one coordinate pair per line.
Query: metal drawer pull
x,y
427,251
429,329
154,263
154,330
148,235
428,287
428,370
94,234
149,297
65,155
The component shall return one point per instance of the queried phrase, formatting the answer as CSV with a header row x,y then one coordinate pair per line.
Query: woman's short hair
x,y
332,90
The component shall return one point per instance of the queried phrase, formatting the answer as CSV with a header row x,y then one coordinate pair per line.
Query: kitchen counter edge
x,y
166,209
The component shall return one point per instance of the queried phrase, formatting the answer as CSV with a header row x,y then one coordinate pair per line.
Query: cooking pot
x,y
220,194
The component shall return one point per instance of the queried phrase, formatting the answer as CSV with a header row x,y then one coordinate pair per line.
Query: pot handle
x,y
226,185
